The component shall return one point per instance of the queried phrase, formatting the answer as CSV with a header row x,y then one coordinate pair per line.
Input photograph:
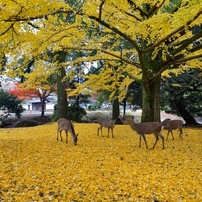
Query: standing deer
x,y
67,126
125,117
170,125
107,123
147,128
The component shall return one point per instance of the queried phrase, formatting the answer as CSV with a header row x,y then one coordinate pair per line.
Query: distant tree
x,y
23,93
10,103
182,95
133,97
33,92
74,113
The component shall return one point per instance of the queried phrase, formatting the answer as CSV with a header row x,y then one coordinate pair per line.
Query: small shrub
x,y
75,113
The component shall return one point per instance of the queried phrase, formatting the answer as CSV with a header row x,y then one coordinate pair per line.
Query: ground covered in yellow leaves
x,y
36,167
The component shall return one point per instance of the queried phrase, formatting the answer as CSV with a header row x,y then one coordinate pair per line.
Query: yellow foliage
x,y
36,167
112,29
174,71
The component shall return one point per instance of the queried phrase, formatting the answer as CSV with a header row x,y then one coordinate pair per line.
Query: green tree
x,y
182,94
10,103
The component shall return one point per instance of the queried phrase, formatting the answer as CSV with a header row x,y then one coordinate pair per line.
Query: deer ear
x,y
77,135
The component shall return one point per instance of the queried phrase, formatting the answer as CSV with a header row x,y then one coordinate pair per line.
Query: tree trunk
x,y
61,93
43,106
116,111
124,106
42,99
189,119
77,107
151,101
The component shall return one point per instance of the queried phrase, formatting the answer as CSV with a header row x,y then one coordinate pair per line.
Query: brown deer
x,y
147,128
170,125
67,126
107,123
125,117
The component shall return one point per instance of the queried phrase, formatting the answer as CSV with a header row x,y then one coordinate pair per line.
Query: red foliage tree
x,y
30,93
24,94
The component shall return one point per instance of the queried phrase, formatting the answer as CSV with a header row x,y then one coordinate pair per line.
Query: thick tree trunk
x,y
189,119
116,111
62,95
151,101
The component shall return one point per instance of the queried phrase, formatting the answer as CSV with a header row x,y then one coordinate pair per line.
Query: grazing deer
x,y
125,117
107,123
67,126
170,125
146,128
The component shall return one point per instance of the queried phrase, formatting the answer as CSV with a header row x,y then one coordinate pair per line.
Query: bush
x,y
10,104
75,113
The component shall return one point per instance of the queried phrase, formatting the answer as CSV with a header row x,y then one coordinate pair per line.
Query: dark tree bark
x,y
77,107
62,95
43,96
124,106
151,101
116,111
43,106
189,119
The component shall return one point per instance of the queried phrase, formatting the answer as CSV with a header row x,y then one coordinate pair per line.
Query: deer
x,y
67,126
123,118
146,128
170,125
107,123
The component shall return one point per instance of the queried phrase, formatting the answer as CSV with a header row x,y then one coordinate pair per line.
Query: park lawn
x,y
36,167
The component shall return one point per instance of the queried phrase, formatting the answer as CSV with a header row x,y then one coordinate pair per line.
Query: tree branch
x,y
100,9
118,32
10,27
154,9
164,66
171,34
186,43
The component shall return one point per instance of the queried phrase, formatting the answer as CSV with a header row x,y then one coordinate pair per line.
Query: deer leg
x,y
140,139
101,130
57,134
66,136
98,131
108,132
162,138
157,138
112,132
172,134
61,135
167,134
144,138
181,134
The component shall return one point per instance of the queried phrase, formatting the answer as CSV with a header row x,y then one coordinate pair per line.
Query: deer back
x,y
172,124
105,122
148,127
125,117
144,128
165,122
64,124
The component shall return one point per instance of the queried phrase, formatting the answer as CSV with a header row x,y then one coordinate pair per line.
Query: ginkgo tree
x,y
149,38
